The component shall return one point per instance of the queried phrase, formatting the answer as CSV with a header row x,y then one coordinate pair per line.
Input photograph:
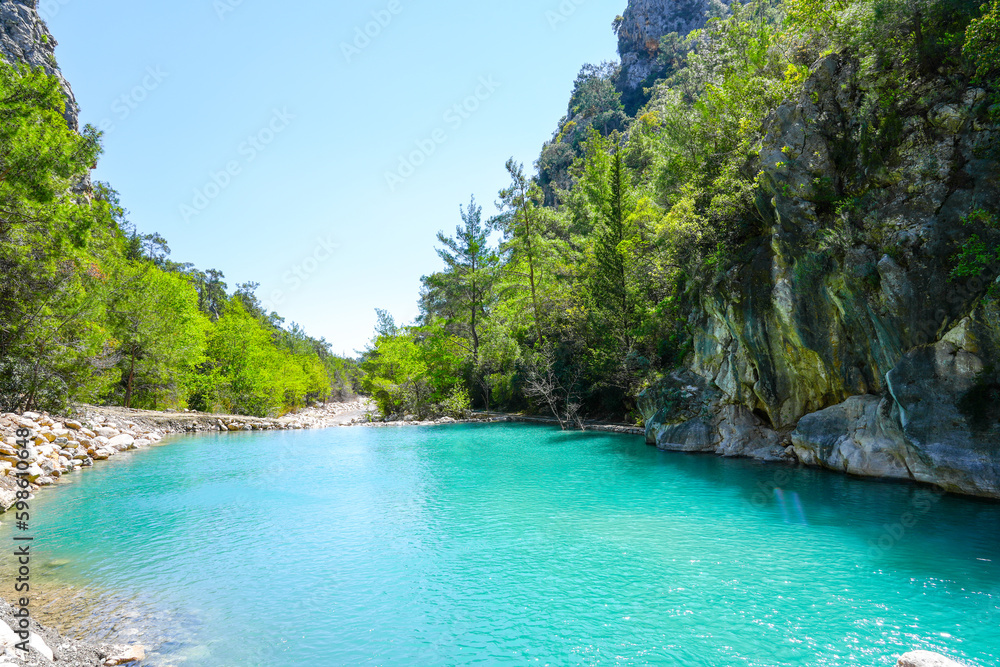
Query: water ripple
x,y
510,544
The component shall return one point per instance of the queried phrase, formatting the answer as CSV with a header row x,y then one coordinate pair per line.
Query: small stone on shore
x,y
131,654
926,659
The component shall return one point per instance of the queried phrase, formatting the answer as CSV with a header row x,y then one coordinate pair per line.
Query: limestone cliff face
x,y
25,38
843,342
645,22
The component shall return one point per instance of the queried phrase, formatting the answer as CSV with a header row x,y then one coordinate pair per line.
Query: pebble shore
x,y
66,445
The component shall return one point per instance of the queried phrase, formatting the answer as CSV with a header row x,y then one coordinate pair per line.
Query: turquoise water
x,y
517,544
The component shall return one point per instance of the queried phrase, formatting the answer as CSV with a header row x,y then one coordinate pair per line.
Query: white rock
x,y
925,659
7,636
106,432
121,442
36,643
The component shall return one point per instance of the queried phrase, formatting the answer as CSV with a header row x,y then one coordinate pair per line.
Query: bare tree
x,y
545,384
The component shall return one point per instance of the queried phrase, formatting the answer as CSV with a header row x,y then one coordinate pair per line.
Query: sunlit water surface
x,y
513,544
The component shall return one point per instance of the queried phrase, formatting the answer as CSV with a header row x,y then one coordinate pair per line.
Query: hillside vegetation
x,y
93,311
639,234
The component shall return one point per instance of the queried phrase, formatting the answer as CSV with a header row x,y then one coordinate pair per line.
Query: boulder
x,y
106,432
694,435
40,646
745,434
8,494
8,638
926,659
858,437
122,442
125,656
74,426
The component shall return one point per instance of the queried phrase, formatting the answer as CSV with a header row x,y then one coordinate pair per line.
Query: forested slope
x,y
789,250
92,310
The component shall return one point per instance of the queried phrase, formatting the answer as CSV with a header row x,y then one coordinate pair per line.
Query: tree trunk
x,y
531,265
128,387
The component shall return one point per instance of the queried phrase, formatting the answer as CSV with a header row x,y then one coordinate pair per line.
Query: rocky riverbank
x,y
65,445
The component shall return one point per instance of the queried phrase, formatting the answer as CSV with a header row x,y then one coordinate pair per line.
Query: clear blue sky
x,y
288,138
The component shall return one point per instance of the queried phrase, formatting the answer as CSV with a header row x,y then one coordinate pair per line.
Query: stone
x,y
131,654
102,454
745,434
106,431
8,492
694,435
37,643
8,638
74,425
122,442
925,659
858,437
948,116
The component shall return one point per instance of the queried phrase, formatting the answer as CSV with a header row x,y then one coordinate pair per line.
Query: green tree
x,y
520,225
982,43
470,271
160,336
49,318
244,367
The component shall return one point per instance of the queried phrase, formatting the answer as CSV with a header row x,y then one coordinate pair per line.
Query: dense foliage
x,y
93,311
585,298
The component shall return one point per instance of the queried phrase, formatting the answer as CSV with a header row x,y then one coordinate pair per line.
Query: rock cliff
x,y
844,341
644,23
24,38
